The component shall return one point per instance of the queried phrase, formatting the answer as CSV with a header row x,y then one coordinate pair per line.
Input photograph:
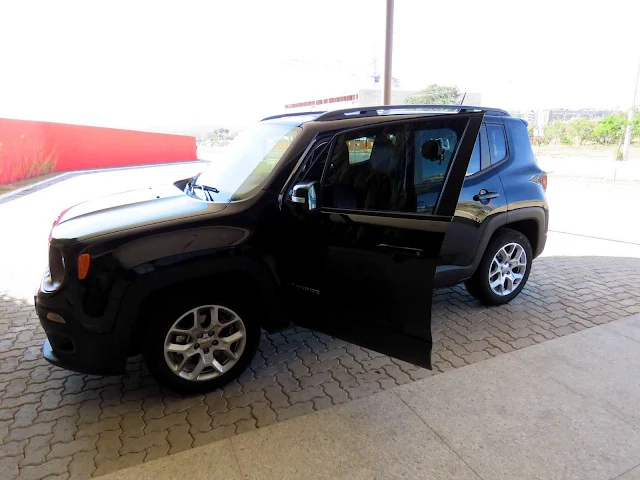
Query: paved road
x,y
54,422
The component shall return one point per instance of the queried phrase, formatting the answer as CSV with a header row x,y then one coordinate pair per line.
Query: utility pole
x,y
627,132
388,54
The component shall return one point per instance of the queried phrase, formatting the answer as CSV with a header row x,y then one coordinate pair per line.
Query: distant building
x,y
365,97
362,97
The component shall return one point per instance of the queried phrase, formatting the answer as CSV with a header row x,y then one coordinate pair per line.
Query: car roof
x,y
299,118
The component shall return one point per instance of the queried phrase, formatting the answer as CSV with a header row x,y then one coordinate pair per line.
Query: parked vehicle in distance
x,y
341,221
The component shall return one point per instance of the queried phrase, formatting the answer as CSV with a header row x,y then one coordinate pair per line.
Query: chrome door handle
x,y
484,195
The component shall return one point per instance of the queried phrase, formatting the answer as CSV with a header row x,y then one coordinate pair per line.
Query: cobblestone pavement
x,y
58,424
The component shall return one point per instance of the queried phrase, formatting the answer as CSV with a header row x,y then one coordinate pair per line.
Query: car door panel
x,y
472,212
373,270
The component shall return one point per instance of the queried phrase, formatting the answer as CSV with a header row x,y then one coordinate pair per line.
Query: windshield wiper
x,y
192,185
208,190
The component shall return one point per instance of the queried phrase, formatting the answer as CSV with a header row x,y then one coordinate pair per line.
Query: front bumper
x,y
71,346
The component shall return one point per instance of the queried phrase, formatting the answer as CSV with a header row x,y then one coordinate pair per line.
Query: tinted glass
x,y
497,142
474,163
397,168
247,162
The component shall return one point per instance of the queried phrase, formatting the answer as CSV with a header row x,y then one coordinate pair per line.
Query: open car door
x,y
387,196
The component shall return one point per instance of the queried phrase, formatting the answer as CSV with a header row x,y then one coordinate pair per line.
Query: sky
x,y
189,65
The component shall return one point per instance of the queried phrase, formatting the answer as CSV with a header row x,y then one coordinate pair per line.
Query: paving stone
x,y
36,450
153,407
12,449
230,417
89,411
66,411
246,399
476,356
323,366
50,400
82,465
179,437
42,428
276,397
65,429
182,404
198,419
421,373
13,402
131,423
215,402
396,374
315,379
121,409
219,433
108,446
63,450
363,390
156,451
258,383
294,411
118,463
263,413
245,425
52,467
25,415
138,444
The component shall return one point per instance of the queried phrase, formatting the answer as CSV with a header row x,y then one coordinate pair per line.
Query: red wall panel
x,y
29,148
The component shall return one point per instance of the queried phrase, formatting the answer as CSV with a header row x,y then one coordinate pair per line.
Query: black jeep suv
x,y
341,221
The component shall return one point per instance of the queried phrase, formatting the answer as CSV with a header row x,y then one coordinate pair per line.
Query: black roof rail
x,y
373,111
292,114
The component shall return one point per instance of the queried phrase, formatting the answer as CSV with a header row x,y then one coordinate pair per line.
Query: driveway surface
x,y
58,424
566,409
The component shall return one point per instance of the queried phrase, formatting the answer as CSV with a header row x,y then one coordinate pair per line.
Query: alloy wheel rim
x,y
507,269
205,342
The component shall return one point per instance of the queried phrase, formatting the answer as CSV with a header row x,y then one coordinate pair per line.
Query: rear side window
x,y
497,142
474,163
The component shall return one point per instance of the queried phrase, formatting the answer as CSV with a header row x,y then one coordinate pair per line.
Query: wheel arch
x,y
252,277
530,221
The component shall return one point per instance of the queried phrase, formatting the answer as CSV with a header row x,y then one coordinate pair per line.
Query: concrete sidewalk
x,y
564,409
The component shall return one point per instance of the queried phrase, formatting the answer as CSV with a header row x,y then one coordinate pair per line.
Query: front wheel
x,y
503,270
199,344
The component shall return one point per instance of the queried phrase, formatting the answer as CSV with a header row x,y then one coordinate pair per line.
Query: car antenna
x,y
463,97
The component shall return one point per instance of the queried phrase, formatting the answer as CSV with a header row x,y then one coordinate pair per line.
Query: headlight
x,y
54,275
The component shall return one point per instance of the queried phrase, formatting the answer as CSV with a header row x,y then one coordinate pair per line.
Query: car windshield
x,y
246,163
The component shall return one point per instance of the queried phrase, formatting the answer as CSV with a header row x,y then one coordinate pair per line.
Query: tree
x,y
556,132
582,130
435,94
610,129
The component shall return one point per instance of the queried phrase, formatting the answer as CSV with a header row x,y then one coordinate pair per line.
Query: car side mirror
x,y
305,196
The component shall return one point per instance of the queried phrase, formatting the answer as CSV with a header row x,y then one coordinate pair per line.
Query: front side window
x,y
246,163
398,168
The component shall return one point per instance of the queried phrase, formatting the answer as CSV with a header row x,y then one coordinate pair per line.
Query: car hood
x,y
127,211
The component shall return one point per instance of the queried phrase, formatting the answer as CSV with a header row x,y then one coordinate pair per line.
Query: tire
x,y
177,316
480,284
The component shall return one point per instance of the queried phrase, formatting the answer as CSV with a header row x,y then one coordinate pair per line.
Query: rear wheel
x,y
503,270
200,343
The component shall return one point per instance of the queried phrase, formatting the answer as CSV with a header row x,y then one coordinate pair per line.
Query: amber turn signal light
x,y
84,262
